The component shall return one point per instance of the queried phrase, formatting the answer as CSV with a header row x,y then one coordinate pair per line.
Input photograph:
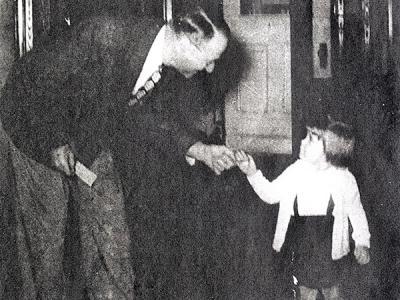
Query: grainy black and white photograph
x,y
199,149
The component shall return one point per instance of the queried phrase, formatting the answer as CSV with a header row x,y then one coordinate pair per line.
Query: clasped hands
x,y
220,158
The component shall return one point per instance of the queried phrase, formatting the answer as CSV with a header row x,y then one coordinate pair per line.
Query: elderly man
x,y
87,97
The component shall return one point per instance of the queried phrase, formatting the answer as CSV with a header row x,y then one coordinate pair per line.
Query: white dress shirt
x,y
153,60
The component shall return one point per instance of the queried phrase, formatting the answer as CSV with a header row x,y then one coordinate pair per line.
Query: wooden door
x,y
258,112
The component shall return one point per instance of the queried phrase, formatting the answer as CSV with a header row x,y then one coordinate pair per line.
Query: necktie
x,y
137,98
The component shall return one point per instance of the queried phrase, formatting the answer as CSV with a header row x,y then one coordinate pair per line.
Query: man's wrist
x,y
197,151
190,160
251,173
254,175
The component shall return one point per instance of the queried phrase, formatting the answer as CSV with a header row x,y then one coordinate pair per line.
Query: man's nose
x,y
210,67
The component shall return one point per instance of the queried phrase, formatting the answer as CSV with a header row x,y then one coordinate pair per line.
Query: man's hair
x,y
339,143
197,21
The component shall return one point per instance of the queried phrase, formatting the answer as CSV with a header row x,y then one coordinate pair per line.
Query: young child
x,y
317,196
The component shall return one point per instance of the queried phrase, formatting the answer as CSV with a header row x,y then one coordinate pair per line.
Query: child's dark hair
x,y
338,139
198,21
339,143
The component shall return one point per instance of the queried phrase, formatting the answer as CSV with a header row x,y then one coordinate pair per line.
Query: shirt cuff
x,y
190,160
255,177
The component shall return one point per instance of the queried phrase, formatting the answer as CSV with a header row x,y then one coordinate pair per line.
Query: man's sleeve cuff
x,y
190,160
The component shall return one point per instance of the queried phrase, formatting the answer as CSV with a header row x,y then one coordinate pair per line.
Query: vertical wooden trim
x,y
322,38
340,20
167,5
390,21
367,20
21,26
24,27
28,25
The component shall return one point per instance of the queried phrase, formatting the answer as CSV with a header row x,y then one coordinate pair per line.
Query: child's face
x,y
312,146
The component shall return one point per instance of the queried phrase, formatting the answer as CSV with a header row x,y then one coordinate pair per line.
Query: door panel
x,y
258,112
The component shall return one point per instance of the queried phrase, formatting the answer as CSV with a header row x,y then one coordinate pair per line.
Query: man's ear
x,y
196,38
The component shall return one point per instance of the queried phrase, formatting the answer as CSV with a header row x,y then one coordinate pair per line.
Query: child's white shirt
x,y
313,188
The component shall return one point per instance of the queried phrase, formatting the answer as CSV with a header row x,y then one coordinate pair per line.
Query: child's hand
x,y
362,254
245,163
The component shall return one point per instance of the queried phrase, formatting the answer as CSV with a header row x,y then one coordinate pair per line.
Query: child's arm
x,y
358,219
270,192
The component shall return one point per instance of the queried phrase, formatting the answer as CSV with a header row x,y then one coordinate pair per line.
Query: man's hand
x,y
362,254
63,159
217,157
246,163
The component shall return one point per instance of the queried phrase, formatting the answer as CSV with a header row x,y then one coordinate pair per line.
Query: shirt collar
x,y
153,60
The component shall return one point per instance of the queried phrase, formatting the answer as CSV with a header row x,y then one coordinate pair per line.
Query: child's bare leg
x,y
332,293
307,293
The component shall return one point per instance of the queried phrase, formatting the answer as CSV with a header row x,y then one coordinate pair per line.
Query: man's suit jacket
x,y
76,89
